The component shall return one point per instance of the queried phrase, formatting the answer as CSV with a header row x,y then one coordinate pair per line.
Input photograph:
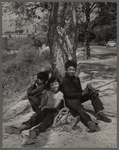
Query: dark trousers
x,y
76,108
43,118
35,103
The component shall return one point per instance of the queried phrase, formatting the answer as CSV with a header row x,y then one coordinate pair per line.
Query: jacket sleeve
x,y
33,90
67,91
80,87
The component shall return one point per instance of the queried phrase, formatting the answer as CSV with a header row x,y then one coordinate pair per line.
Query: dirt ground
x,y
102,74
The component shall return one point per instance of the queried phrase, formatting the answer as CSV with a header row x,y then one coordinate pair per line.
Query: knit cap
x,y
70,63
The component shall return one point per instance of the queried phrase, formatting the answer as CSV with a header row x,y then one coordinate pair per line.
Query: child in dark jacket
x,y
34,92
75,96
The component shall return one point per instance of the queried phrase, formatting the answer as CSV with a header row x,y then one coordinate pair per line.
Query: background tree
x,y
95,14
52,37
72,20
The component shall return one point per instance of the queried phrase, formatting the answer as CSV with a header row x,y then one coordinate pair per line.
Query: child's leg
x,y
97,105
35,103
46,123
76,121
96,102
33,121
75,105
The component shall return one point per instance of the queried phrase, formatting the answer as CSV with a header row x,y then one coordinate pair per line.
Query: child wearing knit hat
x,y
75,96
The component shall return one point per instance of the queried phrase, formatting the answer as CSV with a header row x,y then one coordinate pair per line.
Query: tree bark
x,y
75,35
62,42
63,14
57,63
87,32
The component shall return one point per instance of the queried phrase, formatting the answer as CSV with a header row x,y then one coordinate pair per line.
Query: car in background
x,y
110,44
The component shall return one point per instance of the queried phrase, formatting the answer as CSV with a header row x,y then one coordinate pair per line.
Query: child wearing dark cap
x,y
74,97
34,92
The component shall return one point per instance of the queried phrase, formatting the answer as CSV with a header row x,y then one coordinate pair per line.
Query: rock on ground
x,y
63,136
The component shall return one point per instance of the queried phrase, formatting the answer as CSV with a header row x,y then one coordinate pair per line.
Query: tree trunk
x,y
87,46
64,50
87,32
75,35
61,40
57,63
63,14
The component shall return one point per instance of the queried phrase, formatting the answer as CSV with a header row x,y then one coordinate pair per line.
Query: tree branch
x,y
80,27
95,3
96,6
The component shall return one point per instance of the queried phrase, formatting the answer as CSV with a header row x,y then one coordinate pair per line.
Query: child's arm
x,y
34,90
59,100
44,98
31,90
40,89
57,105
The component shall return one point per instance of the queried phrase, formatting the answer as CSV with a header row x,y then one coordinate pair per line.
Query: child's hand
x,y
89,86
35,81
85,91
39,107
46,107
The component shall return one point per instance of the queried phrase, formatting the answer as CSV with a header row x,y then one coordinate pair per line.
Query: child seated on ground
x,y
75,96
34,92
52,101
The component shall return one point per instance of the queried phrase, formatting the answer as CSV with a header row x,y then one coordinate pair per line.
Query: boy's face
x,y
39,81
71,71
54,86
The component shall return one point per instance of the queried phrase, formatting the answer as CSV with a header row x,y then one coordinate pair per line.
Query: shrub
x,y
28,53
5,43
105,33
45,54
15,43
15,77
18,73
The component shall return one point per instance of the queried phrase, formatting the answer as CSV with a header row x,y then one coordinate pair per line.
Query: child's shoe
x,y
103,117
12,130
33,133
93,126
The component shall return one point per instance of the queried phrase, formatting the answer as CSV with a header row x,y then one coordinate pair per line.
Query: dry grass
x,y
19,71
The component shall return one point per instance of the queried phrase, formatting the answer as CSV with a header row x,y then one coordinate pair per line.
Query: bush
x,y
28,54
5,43
45,54
17,76
105,33
18,72
15,43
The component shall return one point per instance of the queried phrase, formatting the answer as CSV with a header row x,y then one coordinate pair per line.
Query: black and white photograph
x,y
59,74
